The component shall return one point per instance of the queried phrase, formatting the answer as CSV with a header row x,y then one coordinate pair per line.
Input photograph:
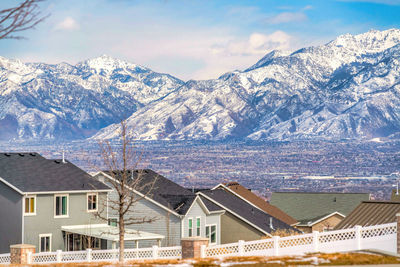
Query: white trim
x,y
34,203
87,202
198,217
61,195
67,192
319,220
141,195
243,219
201,204
11,186
216,233
40,242
188,219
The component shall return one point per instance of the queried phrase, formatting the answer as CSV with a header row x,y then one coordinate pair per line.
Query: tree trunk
x,y
121,238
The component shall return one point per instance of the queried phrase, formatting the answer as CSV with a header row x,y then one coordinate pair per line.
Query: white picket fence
x,y
382,237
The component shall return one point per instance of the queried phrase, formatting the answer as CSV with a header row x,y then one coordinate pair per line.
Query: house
x,y
166,201
317,211
182,213
246,194
237,218
369,213
51,204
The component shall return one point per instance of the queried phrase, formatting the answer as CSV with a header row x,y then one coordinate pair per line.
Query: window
x,y
30,207
113,222
211,233
92,202
45,243
198,223
61,205
190,227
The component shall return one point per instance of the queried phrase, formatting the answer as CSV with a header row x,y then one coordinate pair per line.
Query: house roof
x,y
260,203
307,207
371,213
162,190
32,173
245,211
211,206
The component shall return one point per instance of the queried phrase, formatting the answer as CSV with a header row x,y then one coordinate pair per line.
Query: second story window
x,y
198,226
92,202
190,227
61,205
30,205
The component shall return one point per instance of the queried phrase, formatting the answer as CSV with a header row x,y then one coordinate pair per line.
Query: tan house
x,y
317,211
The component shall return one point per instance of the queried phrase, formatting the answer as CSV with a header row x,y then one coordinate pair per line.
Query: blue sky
x,y
192,39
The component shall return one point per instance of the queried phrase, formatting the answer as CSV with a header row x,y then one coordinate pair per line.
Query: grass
x,y
358,258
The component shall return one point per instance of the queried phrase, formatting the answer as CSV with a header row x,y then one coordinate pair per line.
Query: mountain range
x,y
347,88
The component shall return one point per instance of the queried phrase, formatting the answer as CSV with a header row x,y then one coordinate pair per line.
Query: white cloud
x,y
286,17
68,24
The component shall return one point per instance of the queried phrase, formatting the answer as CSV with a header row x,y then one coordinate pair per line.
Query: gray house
x,y
51,204
215,214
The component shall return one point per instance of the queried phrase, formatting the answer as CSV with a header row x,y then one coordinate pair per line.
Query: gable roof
x,y
32,173
308,207
245,193
164,191
320,219
369,213
244,211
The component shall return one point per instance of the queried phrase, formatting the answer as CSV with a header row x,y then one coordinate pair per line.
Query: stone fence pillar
x,y
398,232
19,253
191,247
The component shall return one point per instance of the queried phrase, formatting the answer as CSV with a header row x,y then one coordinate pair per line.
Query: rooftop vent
x,y
270,223
7,154
21,154
32,154
57,161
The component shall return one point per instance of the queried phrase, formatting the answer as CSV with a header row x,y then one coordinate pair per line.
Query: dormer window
x,y
30,205
92,202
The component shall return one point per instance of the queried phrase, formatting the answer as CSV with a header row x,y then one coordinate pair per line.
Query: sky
x,y
197,39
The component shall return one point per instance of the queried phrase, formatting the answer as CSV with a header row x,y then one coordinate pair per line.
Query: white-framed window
x,y
198,225
30,205
211,233
113,222
92,202
61,205
190,225
44,242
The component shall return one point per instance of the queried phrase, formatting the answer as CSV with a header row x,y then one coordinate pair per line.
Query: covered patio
x,y
81,237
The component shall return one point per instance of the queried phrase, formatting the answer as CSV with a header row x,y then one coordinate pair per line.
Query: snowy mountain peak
x,y
372,41
105,65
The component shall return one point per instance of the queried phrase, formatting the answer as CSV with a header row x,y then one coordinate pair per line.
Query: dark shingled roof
x,y
246,210
164,191
211,206
371,213
310,206
30,172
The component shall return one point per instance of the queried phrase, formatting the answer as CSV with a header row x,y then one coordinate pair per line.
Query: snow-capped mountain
x,y
73,101
347,88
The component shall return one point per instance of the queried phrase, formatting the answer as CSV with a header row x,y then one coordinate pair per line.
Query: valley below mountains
x,y
348,88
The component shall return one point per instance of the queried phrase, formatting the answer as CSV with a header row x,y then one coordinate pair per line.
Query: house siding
x,y
165,223
45,223
234,229
11,220
197,211
329,223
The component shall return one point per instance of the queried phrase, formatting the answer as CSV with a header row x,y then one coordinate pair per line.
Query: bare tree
x,y
121,163
20,18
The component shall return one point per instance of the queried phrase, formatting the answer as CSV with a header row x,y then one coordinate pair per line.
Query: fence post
x,y
29,257
155,252
276,245
59,251
358,236
203,251
89,255
241,248
315,240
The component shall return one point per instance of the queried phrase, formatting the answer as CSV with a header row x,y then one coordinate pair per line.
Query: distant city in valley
x,y
264,167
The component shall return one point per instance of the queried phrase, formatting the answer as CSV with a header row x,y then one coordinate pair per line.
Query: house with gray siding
x,y
51,204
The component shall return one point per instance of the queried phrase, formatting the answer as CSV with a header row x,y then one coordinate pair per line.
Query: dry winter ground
x,y
360,258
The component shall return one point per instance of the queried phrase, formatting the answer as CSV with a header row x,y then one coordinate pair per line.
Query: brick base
x,y
191,247
19,253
